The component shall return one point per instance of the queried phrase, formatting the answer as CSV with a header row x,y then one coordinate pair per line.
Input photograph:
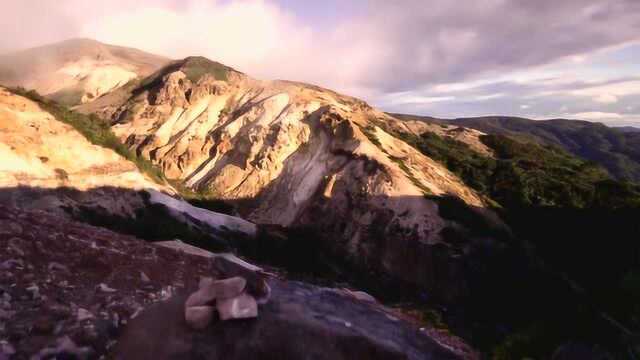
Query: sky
x,y
576,59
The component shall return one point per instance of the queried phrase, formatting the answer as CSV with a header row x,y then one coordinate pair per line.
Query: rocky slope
x,y
48,165
296,155
69,290
76,71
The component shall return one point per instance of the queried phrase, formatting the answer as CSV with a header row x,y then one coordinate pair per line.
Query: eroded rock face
x,y
298,155
70,289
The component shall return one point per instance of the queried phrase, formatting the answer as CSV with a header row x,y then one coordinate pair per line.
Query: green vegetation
x,y
94,129
67,97
473,168
578,227
526,174
194,67
369,132
197,66
616,150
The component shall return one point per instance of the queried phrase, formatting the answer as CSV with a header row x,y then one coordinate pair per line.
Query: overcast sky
x,y
532,58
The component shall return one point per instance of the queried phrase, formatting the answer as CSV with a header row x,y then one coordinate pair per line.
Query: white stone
x,y
240,307
198,317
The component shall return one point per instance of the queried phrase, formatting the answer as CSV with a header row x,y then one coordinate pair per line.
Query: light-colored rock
x,y
243,306
6,349
230,265
144,277
199,317
83,315
54,266
215,290
104,288
362,296
34,290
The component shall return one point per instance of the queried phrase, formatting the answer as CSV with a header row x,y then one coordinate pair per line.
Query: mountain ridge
x,y
76,71
615,149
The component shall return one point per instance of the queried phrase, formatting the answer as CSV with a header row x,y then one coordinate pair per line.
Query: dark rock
x,y
299,322
577,351
43,325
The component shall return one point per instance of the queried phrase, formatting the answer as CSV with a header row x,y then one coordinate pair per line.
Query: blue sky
x,y
539,59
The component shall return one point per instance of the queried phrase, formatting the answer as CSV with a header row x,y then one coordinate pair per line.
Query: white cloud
x,y
596,115
623,88
606,99
488,56
524,107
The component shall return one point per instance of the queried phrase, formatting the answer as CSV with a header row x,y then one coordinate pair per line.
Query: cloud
x,y
596,115
606,99
488,56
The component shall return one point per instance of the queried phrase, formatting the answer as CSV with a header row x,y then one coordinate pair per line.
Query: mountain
x,y
299,156
441,208
95,287
76,71
488,235
618,150
628,129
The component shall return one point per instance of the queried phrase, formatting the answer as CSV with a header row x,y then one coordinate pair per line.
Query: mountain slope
x,y
296,155
617,150
76,71
49,165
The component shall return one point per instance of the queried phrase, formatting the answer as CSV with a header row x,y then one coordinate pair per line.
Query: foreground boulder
x,y
68,289
299,322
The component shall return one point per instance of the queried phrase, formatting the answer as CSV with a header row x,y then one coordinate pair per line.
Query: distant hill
x,y
628,129
616,149
76,71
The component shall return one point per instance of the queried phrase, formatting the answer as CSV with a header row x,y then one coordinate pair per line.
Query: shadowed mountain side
x,y
139,213
505,288
307,247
